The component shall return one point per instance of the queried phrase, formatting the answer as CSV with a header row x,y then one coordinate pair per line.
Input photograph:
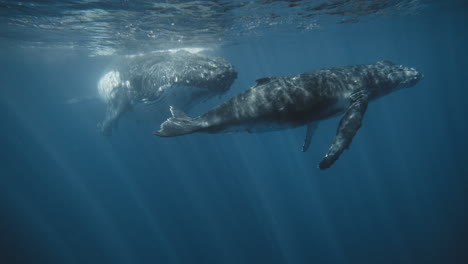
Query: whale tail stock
x,y
177,125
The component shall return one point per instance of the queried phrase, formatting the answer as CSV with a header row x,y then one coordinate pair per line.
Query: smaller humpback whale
x,y
305,99
173,77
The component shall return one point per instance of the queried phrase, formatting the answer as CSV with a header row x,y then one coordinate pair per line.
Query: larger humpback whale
x,y
305,99
170,77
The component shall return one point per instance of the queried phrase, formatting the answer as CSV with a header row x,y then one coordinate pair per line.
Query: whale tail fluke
x,y
177,125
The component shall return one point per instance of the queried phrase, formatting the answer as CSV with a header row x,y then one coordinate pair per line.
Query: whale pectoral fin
x,y
113,113
311,127
349,125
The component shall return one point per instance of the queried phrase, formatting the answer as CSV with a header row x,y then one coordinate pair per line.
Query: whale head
x,y
405,76
399,76
110,85
388,77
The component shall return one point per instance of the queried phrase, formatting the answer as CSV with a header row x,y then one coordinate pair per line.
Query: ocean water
x,y
71,195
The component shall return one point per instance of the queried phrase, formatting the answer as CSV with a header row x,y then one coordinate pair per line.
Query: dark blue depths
x,y
398,195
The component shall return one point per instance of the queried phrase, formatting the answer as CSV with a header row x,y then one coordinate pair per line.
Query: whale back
x,y
152,76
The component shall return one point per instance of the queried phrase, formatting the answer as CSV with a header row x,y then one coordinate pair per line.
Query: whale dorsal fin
x,y
311,127
263,80
349,125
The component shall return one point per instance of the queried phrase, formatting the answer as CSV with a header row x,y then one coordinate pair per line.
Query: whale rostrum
x,y
285,102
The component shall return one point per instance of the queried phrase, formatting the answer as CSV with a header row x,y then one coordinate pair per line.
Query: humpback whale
x,y
171,77
305,99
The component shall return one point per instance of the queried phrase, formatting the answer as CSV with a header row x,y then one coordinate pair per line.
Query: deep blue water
x,y
398,195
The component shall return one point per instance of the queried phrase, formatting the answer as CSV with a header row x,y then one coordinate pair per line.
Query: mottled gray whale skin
x,y
305,99
177,78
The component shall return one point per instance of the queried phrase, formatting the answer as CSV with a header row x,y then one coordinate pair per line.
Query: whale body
x,y
305,99
178,78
